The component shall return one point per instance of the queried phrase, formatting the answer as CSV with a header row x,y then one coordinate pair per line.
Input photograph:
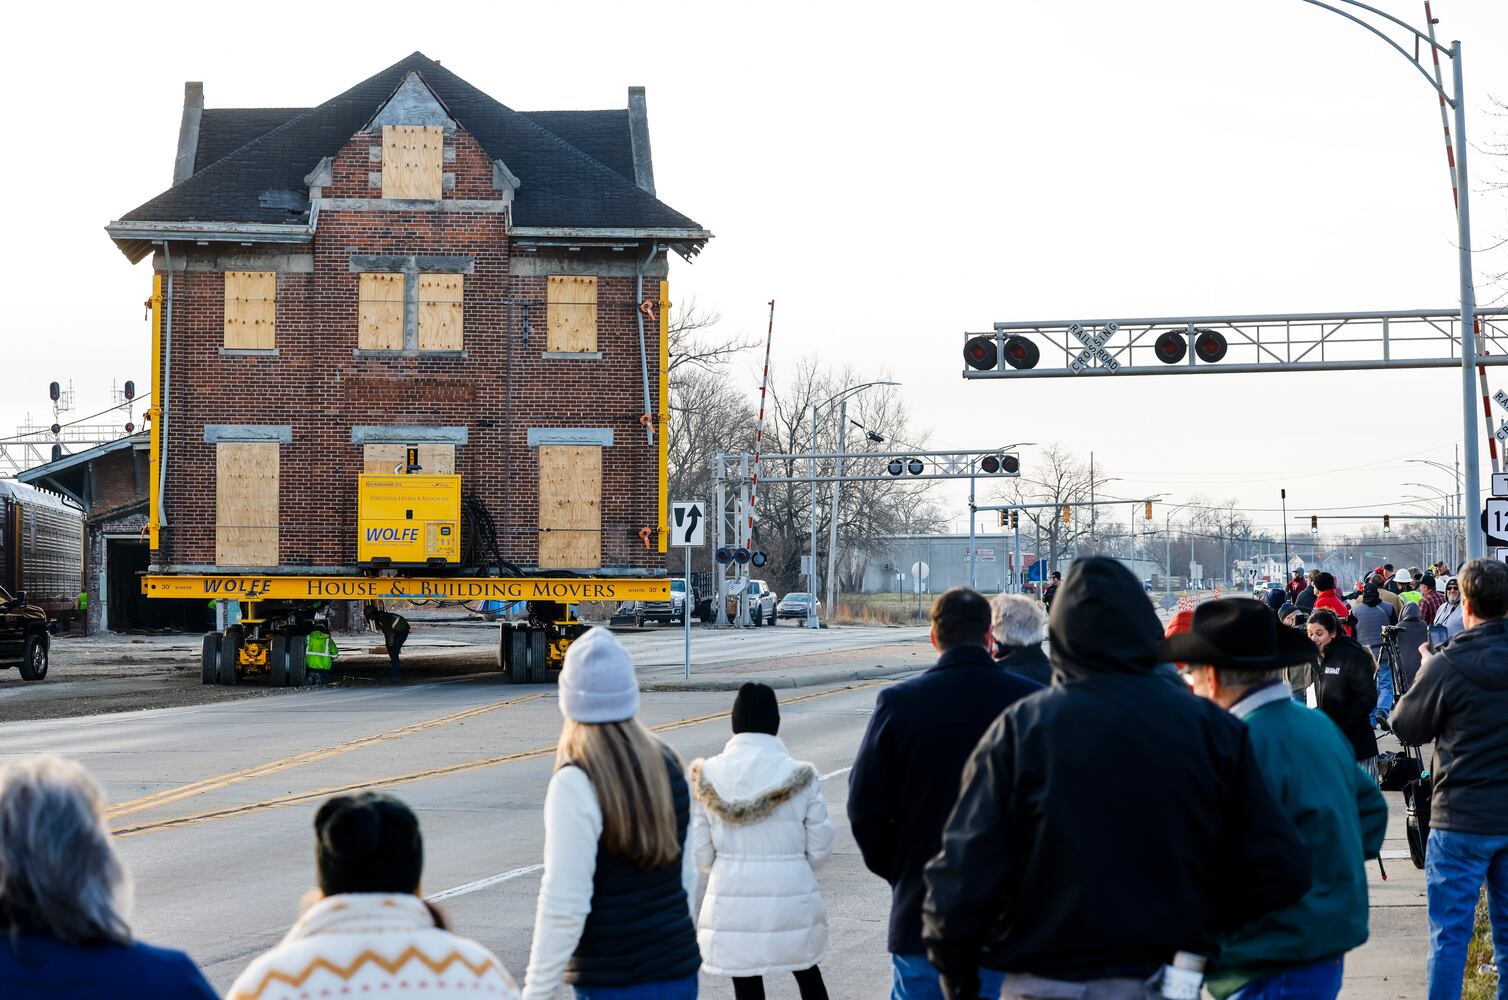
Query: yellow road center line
x,y
177,794
433,772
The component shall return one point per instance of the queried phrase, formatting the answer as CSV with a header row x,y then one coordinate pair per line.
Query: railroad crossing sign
x,y
688,523
1094,348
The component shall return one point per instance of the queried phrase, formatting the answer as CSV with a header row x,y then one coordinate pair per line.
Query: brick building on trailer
x,y
410,263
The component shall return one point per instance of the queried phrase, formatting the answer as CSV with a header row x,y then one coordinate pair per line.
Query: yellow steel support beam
x,y
664,435
154,412
569,590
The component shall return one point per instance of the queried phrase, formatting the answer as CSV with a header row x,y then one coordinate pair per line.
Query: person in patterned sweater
x,y
367,930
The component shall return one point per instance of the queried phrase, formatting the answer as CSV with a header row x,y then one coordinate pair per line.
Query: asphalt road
x,y
214,803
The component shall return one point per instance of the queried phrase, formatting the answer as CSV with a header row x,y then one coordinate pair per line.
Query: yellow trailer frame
x,y
253,587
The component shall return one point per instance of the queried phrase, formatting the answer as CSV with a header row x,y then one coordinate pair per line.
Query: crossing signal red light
x,y
980,353
741,555
989,464
130,389
759,559
1010,464
1170,347
915,466
723,556
896,467
130,427
1021,353
1210,346
54,391
56,428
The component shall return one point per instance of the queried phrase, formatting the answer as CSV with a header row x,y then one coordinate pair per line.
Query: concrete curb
x,y
778,681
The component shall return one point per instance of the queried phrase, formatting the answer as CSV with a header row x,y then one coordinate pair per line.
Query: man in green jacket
x,y
1235,655
321,653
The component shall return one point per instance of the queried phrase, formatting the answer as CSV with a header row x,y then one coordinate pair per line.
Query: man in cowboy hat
x,y
1234,655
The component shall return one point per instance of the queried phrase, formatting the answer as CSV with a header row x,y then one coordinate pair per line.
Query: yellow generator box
x,y
408,520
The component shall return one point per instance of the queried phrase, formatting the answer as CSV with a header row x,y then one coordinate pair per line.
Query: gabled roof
x,y
565,186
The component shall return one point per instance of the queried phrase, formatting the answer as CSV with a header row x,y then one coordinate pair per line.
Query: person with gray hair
x,y
1016,626
64,895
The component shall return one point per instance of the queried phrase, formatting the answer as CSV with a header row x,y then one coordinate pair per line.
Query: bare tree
x,y
1055,478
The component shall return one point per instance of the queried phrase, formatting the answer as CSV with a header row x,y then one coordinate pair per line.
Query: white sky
x,y
892,177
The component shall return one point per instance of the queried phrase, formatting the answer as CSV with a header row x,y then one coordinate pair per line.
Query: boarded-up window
x,y
385,459
412,158
380,324
572,309
570,507
251,310
246,503
440,311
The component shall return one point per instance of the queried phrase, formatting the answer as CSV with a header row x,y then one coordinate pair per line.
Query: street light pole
x,y
1286,561
1475,544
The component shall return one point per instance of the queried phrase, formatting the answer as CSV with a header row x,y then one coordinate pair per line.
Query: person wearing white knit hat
x,y
614,917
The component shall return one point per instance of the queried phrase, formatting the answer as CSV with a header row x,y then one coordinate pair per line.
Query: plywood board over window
x,y
412,161
380,323
384,459
246,503
440,312
571,304
251,310
570,506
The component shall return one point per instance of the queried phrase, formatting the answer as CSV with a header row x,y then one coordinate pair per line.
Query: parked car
x,y
761,603
670,611
796,605
24,642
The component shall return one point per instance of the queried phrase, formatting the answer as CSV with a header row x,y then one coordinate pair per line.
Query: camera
x,y
1299,619
1391,630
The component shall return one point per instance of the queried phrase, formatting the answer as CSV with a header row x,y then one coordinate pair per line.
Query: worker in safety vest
x,y
321,653
394,634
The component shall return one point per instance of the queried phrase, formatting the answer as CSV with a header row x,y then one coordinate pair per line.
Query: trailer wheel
x,y
539,653
518,656
34,658
230,655
505,650
298,674
209,658
277,661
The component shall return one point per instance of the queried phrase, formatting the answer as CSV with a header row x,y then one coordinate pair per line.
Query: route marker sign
x,y
1495,520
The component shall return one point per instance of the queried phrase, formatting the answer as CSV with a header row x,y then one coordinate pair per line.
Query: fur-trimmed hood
x,y
749,780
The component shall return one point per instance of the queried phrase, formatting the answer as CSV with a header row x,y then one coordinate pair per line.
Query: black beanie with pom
x,y
755,710
367,842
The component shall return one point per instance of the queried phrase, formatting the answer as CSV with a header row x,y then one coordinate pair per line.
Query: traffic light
x,y
1021,353
1314,524
1387,523
980,353
1067,514
1147,512
1170,347
1210,346
1003,519
1015,519
54,391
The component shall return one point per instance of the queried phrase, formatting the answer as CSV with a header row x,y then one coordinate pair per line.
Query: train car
x,y
41,549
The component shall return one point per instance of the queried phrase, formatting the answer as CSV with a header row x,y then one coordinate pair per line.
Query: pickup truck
x,y
24,642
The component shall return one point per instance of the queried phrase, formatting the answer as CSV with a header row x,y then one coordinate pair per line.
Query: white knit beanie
x,y
598,683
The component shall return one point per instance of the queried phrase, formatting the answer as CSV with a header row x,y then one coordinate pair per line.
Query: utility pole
x,y
832,535
1286,562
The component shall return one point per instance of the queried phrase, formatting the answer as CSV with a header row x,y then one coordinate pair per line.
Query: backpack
x,y
1396,770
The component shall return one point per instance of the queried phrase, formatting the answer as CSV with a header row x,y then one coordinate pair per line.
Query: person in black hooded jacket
x,y
1107,822
1346,686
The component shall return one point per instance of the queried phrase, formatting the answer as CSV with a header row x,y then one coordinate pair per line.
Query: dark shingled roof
x,y
602,135
222,131
562,186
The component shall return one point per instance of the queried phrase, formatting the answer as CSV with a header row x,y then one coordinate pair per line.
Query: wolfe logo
x,y
392,534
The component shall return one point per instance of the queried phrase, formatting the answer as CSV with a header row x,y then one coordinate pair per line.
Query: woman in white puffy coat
x,y
759,825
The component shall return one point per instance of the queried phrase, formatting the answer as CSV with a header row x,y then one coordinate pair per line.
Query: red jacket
x,y
1329,600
